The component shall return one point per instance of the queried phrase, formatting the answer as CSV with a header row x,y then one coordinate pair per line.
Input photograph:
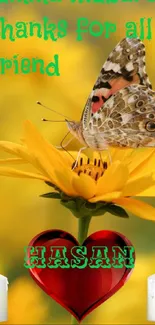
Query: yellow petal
x,y
11,147
64,181
108,197
19,151
12,161
115,154
36,143
48,157
121,154
84,185
114,179
139,160
138,184
17,173
148,192
22,152
138,208
15,149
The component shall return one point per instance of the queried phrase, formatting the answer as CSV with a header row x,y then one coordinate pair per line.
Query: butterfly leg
x,y
77,158
109,156
101,159
65,145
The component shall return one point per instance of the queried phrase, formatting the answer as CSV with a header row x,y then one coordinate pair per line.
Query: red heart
x,y
80,290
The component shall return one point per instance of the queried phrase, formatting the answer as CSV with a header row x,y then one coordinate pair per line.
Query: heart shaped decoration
x,y
89,274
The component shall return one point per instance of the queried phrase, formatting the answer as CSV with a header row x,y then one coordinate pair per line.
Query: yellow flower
x,y
131,173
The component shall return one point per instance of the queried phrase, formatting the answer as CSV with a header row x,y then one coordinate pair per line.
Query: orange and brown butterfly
x,y
120,111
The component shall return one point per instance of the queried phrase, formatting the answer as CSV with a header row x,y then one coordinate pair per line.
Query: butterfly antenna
x,y
52,110
46,120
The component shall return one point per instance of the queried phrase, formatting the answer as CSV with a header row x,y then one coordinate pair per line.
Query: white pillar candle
x,y
3,298
151,298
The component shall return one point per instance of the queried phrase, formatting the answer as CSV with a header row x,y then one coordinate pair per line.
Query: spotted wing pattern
x,y
124,66
127,119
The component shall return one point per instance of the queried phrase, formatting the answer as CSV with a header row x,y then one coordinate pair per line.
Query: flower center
x,y
94,169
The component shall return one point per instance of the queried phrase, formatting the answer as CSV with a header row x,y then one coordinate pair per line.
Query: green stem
x,y
83,227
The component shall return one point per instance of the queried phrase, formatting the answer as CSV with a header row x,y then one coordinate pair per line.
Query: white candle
x,y
3,298
151,298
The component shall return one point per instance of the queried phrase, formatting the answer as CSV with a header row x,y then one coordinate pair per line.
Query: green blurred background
x,y
23,213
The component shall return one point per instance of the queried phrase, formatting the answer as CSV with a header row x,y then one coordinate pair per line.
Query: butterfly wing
x,y
124,66
127,119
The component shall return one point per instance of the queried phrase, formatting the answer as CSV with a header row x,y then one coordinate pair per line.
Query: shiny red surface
x,y
80,290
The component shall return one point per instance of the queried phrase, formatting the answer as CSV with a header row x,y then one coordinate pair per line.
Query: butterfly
x,y
120,111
